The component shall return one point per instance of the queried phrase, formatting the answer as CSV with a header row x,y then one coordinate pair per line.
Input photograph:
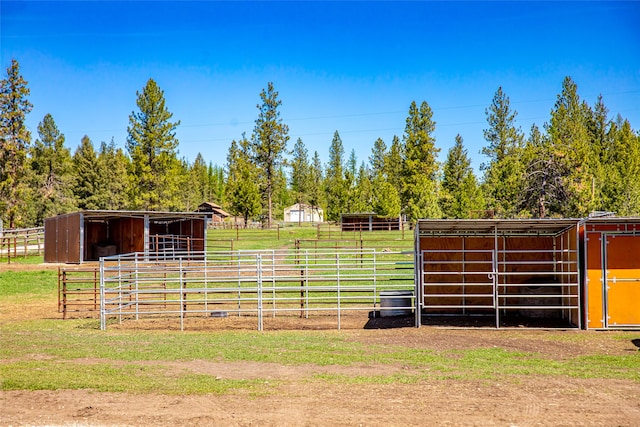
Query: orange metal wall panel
x,y
601,228
623,280
594,290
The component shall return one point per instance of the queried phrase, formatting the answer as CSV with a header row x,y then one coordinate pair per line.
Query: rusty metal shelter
x,y
611,250
88,235
508,271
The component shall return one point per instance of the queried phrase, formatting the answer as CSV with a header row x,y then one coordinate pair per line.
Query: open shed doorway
x,y
498,272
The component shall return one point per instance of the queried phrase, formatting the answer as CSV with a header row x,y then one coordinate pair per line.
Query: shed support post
x,y
496,278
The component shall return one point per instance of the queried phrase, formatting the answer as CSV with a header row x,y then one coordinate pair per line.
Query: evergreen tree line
x,y
580,161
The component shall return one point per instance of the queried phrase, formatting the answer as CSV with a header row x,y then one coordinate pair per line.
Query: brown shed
x,y
611,248
88,235
523,271
368,221
213,211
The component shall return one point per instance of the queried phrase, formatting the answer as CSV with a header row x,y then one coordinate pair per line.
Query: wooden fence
x,y
21,242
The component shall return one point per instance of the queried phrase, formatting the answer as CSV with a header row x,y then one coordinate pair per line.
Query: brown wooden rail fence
x,y
21,242
79,291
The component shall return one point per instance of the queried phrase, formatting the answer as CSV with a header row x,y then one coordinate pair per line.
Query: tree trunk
x,y
269,212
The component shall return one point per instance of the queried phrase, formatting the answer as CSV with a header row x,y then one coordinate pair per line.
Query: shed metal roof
x,y
502,227
154,215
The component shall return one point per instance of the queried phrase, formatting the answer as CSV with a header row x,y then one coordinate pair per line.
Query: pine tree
x,y
504,171
385,200
300,174
461,196
196,184
623,186
184,180
316,179
282,194
15,144
543,192
350,176
216,184
393,165
53,172
362,191
88,183
569,138
114,180
601,146
152,146
378,157
384,196
269,145
243,194
420,168
335,186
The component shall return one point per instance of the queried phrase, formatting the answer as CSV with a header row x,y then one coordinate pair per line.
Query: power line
x,y
369,114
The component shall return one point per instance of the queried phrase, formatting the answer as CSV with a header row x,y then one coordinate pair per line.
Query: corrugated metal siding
x,y
50,237
74,224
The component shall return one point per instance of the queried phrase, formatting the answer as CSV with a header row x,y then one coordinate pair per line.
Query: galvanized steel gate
x,y
252,283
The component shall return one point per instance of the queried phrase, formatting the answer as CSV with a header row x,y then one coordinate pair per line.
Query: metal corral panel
x,y
612,276
525,269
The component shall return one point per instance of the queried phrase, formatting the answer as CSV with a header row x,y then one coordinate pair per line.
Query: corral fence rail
x,y
501,282
386,245
363,231
168,245
255,284
78,291
250,232
21,242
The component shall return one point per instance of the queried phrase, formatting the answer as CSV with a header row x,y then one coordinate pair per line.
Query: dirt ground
x,y
296,397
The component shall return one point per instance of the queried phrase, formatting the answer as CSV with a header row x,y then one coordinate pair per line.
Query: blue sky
x,y
353,67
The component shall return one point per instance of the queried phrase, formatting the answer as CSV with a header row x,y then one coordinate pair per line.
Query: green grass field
x,y
43,352
52,354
